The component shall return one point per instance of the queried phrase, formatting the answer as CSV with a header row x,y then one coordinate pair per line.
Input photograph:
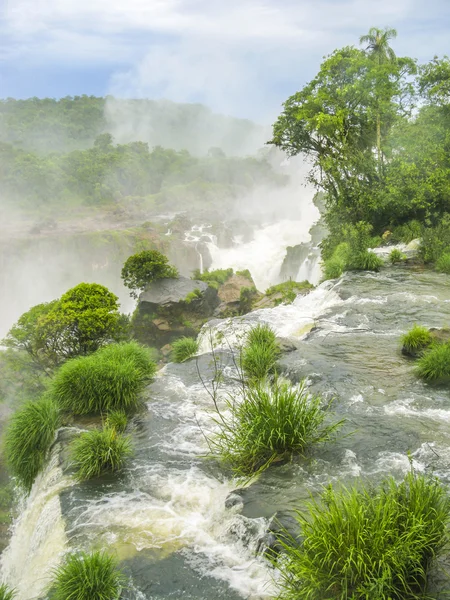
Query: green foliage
x,y
368,543
434,365
288,290
396,256
99,451
443,263
116,419
259,353
245,273
100,383
141,356
417,339
436,240
219,276
28,438
6,593
194,295
270,423
184,348
246,297
144,267
412,230
85,576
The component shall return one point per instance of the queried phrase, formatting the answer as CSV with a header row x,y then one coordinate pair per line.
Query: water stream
x,y
166,515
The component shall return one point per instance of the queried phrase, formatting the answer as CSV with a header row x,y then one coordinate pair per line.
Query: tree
x,y
377,41
144,267
85,318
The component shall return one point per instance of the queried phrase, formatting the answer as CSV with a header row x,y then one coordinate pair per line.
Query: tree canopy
x,y
144,267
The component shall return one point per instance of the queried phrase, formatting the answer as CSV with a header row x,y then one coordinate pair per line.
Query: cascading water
x,y
166,515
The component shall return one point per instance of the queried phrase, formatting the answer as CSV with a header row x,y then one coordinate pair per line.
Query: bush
x,y
288,290
270,423
365,261
141,356
443,263
436,240
6,593
144,267
396,256
184,348
95,384
99,451
416,340
434,364
194,295
335,265
407,232
29,437
367,544
260,352
117,420
219,276
246,297
86,576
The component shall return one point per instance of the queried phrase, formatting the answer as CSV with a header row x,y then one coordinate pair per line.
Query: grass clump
x,y
396,256
368,544
194,295
97,384
416,340
117,420
141,356
434,364
99,451
184,348
260,352
443,263
270,423
6,593
288,290
86,576
220,276
28,438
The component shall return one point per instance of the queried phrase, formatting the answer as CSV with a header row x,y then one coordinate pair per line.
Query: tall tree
x,y
377,41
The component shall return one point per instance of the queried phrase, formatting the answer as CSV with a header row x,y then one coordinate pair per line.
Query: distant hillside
x,y
72,123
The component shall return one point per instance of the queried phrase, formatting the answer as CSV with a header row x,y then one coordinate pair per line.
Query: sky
x,y
240,57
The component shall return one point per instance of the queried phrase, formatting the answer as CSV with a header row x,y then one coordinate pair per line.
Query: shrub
x,y
416,340
434,364
93,384
335,265
6,593
86,576
184,348
289,290
220,276
99,451
246,297
29,437
141,356
443,263
367,544
436,240
144,267
260,352
365,261
270,423
396,256
407,232
117,420
194,295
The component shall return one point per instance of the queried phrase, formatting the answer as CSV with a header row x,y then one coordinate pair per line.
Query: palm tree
x,y
377,41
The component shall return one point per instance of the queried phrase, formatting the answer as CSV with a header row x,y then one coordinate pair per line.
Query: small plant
x,y
142,356
366,261
396,256
367,543
86,576
259,353
246,298
194,295
95,384
99,451
289,290
416,340
29,437
220,276
6,593
270,423
434,364
184,348
117,420
443,263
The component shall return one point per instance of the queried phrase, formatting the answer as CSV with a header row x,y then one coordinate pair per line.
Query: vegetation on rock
x,y
184,348
416,340
396,256
259,353
368,543
288,290
219,276
434,365
29,436
143,268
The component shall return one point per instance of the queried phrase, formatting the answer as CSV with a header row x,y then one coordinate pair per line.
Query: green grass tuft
x,y
270,423
434,364
86,576
28,438
117,420
97,384
142,356
366,261
367,544
99,451
396,256
184,348
443,263
259,353
6,593
416,340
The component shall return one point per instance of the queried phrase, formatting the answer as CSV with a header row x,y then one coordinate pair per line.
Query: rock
x,y
286,345
173,308
230,291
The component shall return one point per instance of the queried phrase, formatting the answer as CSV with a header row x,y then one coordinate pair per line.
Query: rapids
x,y
165,516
